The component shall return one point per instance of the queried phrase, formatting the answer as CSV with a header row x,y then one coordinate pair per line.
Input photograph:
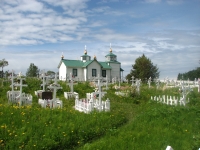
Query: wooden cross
x,y
43,80
99,89
106,82
132,80
20,85
71,83
138,85
12,82
149,82
55,86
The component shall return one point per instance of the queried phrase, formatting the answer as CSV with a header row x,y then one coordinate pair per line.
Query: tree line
x,y
32,71
191,75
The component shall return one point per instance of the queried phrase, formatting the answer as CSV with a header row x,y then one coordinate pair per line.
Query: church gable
x,y
105,65
94,68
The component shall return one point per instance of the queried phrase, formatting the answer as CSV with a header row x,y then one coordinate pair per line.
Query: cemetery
x,y
150,112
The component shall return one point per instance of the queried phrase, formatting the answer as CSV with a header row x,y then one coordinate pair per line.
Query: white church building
x,y
85,68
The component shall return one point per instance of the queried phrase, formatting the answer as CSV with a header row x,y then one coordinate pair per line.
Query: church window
x,y
75,72
103,73
84,57
94,72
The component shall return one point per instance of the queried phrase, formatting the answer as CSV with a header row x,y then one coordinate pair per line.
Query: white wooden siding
x,y
62,72
93,65
115,72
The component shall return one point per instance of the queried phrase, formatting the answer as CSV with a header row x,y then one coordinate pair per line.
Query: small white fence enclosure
x,y
87,106
93,101
169,100
52,102
18,96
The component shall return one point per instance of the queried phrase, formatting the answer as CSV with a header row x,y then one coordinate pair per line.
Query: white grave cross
x,y
12,81
71,84
20,85
99,91
12,84
138,85
149,82
157,83
43,80
132,80
55,86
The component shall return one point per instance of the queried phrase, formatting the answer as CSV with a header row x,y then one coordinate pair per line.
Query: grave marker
x,y
55,86
138,81
20,85
99,92
149,82
44,82
71,83
132,80
157,83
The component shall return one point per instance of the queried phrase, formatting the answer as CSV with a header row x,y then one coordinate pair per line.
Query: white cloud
x,y
33,22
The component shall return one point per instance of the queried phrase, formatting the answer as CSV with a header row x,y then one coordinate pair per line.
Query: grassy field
x,y
134,122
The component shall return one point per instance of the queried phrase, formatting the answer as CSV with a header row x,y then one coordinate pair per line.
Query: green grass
x,y
134,122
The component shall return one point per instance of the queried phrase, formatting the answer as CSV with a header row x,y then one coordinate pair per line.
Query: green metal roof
x,y
105,65
113,61
73,63
121,69
110,54
80,64
87,63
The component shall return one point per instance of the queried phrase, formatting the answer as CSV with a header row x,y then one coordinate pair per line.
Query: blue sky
x,y
39,31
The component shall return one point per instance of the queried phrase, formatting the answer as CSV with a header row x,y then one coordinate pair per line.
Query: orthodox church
x,y
86,68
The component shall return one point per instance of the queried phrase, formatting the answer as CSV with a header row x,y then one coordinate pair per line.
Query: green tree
x,y
3,63
191,75
143,69
32,71
50,72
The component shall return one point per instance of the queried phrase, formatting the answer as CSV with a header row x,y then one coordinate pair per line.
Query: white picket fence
x,y
69,95
11,95
14,97
50,103
89,105
170,100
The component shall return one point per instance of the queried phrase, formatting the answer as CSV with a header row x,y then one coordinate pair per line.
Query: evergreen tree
x,y
191,75
143,69
50,72
32,71
3,63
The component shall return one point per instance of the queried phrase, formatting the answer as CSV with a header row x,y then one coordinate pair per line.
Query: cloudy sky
x,y
39,31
